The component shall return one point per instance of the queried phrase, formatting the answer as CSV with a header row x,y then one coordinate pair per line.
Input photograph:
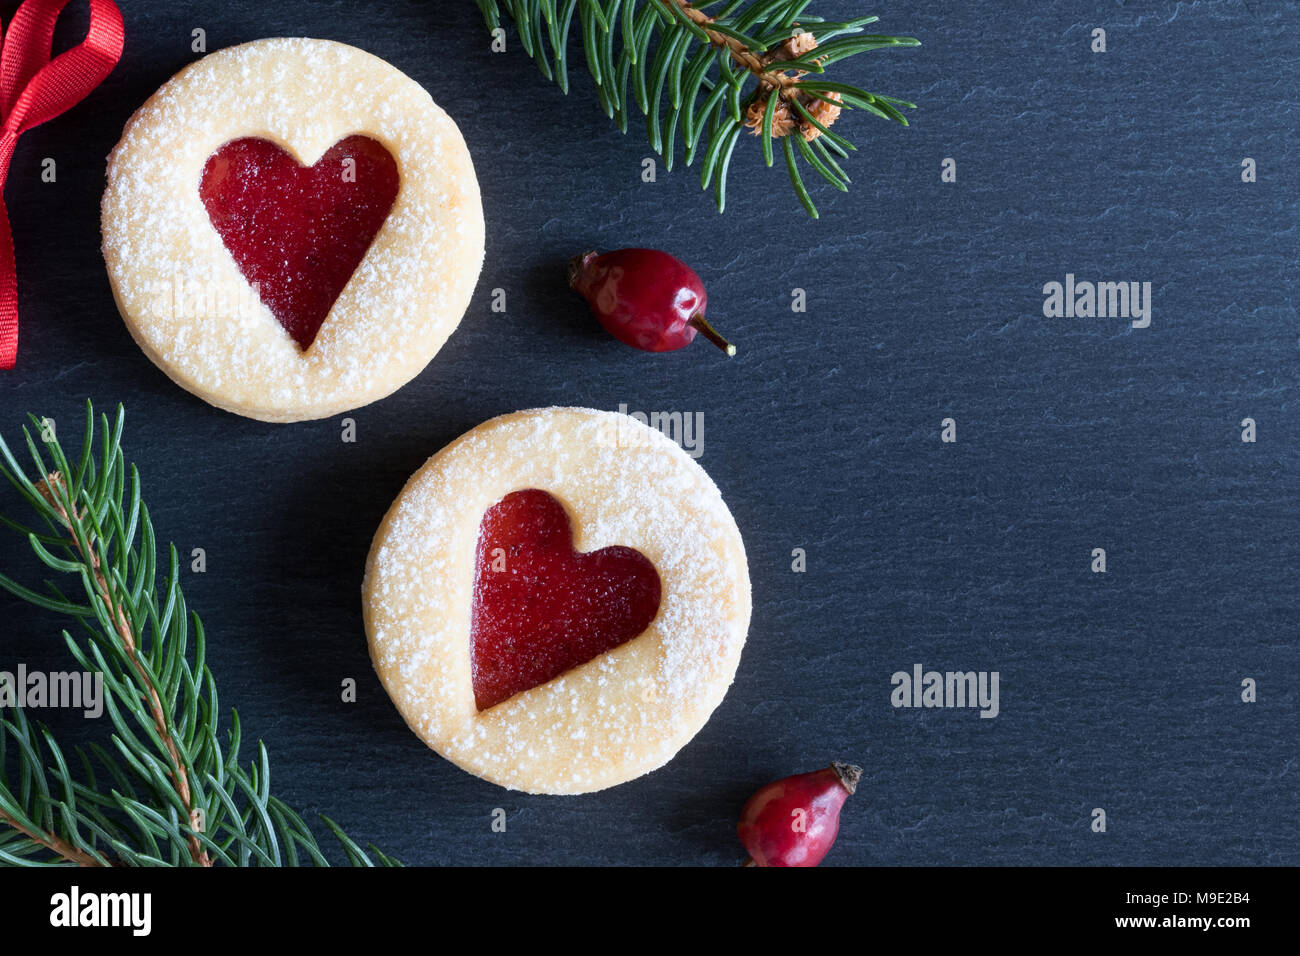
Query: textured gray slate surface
x,y
924,301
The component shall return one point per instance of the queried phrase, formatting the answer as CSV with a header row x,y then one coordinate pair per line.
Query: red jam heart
x,y
541,608
296,232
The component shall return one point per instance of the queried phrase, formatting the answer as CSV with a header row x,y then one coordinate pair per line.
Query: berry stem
x,y
701,325
577,266
849,775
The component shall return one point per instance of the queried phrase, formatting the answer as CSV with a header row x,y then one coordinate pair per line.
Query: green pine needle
x,y
698,68
166,791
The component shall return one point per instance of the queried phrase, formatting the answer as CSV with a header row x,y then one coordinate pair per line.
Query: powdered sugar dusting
x,y
180,291
621,714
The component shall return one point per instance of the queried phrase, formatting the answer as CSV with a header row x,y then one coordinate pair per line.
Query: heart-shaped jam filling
x,y
296,232
541,608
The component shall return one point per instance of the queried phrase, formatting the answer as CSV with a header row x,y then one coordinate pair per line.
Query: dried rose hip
x,y
794,821
645,298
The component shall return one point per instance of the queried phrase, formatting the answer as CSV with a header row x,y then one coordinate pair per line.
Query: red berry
x,y
645,298
794,821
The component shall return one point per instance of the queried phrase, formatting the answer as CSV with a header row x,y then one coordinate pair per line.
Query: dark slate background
x,y
924,301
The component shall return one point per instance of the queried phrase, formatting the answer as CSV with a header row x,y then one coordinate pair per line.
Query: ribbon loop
x,y
33,90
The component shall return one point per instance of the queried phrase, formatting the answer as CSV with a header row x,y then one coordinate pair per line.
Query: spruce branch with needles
x,y
711,70
165,791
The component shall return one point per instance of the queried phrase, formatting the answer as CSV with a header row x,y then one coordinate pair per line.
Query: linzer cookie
x,y
292,228
557,600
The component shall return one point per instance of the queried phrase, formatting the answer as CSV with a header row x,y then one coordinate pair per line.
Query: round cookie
x,y
186,301
622,713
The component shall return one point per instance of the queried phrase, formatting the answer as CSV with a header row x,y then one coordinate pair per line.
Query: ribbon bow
x,y
34,89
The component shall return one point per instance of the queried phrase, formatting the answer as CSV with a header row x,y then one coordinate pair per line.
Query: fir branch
x,y
167,791
54,490
756,65
51,842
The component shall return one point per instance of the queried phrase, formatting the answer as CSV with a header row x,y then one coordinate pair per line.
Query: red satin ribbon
x,y
34,89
